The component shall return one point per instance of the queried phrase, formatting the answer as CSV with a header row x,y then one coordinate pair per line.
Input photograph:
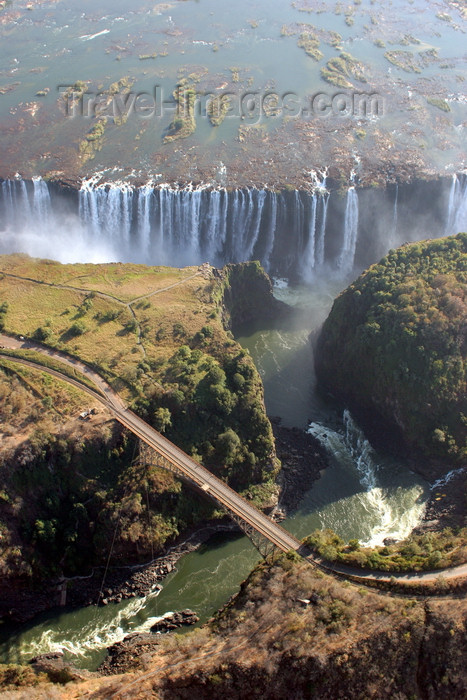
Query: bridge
x,y
265,534
155,449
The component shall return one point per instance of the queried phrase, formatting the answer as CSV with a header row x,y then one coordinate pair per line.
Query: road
x,y
210,484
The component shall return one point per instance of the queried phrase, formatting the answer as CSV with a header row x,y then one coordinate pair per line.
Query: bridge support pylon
x,y
149,457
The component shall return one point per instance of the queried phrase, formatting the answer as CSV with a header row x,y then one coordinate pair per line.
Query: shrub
x,y
42,333
78,328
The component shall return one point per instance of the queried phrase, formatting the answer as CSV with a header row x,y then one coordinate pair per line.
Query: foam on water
x,y
391,513
96,634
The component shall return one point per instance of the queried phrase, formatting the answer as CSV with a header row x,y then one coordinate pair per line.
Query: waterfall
x,y
145,195
41,207
216,225
253,239
309,254
167,224
313,257
389,512
387,521
172,225
347,254
88,208
456,220
271,230
126,195
324,200
394,219
242,224
451,206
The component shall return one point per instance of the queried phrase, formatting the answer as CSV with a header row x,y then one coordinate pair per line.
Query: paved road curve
x,y
195,472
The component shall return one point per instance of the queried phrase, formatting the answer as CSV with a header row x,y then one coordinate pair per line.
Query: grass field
x,y
107,324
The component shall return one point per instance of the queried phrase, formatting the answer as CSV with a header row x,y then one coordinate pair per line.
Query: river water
x,y
249,48
361,495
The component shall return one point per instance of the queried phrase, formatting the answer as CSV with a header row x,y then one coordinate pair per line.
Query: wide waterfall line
x,y
168,225
297,234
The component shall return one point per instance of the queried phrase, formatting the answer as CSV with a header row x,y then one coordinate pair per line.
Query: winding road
x,y
235,504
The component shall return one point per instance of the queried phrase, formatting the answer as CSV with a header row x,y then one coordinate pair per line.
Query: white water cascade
x,y
390,513
299,235
394,218
349,245
457,208
166,224
41,209
314,254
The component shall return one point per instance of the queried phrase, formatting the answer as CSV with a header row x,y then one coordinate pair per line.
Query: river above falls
x,y
361,495
277,64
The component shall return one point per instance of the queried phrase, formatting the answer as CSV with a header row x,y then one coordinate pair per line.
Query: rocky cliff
x,y
293,632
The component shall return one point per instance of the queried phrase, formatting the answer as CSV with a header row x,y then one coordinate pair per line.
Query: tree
x,y
78,328
162,419
228,445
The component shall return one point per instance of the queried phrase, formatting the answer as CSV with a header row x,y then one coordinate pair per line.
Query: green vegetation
x,y
405,60
3,312
342,69
94,140
184,123
121,86
309,42
217,109
393,348
76,91
334,39
215,414
425,552
159,336
440,104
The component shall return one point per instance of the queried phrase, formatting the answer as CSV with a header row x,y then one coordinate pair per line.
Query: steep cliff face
x,y
247,295
394,350
293,632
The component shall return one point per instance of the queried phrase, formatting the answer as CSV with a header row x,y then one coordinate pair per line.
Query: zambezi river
x,y
362,494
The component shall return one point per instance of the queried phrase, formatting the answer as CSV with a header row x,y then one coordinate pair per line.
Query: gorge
x,y
155,160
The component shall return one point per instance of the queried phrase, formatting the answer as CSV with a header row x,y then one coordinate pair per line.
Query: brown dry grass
x,y
349,642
